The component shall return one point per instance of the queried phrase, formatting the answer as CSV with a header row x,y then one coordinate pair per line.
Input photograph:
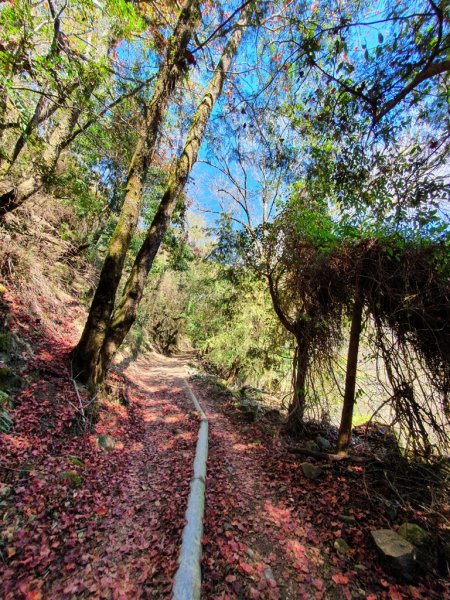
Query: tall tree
x,y
50,151
64,77
345,427
171,71
125,312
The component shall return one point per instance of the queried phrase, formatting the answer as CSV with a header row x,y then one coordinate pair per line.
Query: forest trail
x,y
269,532
254,545
112,530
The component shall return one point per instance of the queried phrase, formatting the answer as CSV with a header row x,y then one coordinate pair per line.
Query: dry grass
x,y
38,264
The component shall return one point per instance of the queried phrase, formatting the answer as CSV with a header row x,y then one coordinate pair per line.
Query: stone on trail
x,y
323,443
341,546
106,442
312,446
414,534
426,551
398,553
311,471
269,576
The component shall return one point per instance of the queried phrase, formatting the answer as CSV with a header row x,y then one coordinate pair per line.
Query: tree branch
x,y
429,71
221,26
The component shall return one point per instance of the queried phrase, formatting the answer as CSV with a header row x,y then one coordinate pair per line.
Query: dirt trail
x,y
269,532
253,545
116,535
138,554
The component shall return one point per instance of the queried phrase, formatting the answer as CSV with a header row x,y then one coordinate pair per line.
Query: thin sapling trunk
x,y
345,428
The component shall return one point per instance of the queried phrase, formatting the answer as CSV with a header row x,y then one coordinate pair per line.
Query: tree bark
x,y
276,304
85,354
13,196
41,111
296,410
31,125
125,313
44,110
3,104
345,428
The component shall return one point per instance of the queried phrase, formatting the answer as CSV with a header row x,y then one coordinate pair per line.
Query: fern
x,y
6,421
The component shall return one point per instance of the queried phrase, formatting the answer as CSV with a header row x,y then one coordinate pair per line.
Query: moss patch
x,y
71,478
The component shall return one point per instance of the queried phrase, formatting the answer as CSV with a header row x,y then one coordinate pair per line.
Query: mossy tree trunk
x,y
345,428
85,354
3,124
125,313
44,109
7,163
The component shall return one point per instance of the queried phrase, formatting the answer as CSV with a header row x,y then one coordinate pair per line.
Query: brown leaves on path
x,y
270,533
78,521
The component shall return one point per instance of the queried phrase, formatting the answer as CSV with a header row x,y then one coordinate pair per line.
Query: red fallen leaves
x,y
246,568
101,511
30,591
258,501
318,584
339,579
119,533
120,529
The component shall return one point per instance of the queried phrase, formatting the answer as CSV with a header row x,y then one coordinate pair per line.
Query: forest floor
x,y
81,522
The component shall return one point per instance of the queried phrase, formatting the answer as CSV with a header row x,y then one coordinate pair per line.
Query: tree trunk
x,y
3,127
125,313
41,111
32,123
13,196
233,372
345,428
41,108
85,354
44,110
296,410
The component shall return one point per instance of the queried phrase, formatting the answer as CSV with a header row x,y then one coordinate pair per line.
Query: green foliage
x,y
160,314
71,479
6,421
318,127
230,320
4,398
